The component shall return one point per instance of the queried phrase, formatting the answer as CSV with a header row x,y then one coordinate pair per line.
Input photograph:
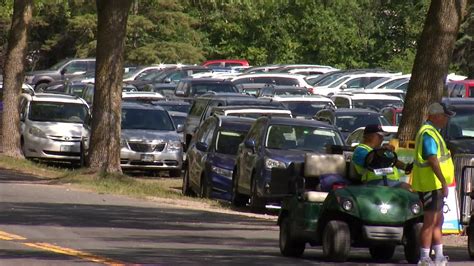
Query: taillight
x,y
338,186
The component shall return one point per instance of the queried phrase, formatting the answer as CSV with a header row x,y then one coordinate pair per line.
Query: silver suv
x,y
53,125
150,140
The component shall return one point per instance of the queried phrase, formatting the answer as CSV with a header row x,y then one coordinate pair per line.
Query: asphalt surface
x,y
43,224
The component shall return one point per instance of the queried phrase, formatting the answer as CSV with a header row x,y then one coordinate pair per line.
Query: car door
x,y
194,156
250,156
23,107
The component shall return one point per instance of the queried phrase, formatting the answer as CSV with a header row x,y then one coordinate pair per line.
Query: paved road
x,y
43,224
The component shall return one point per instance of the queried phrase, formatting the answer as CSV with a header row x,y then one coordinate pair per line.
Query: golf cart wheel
x,y
382,252
256,203
288,246
412,246
238,200
185,189
470,240
336,241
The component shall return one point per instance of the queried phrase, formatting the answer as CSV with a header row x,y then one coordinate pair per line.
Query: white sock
x,y
424,253
438,249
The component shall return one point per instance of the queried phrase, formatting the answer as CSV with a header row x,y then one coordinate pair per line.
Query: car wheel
x,y
382,252
289,247
41,87
175,173
204,188
185,189
470,240
238,200
336,241
256,203
412,246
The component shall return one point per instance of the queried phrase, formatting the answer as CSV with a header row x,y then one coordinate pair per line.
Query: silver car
x,y
149,140
53,126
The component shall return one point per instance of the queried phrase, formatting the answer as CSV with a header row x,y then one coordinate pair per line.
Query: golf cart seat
x,y
316,165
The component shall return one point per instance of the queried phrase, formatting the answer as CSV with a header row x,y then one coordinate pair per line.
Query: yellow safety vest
x,y
369,175
424,179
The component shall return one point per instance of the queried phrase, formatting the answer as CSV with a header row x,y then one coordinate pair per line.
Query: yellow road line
x,y
74,253
8,236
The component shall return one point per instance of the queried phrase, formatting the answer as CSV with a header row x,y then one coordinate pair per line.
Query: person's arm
x,y
434,164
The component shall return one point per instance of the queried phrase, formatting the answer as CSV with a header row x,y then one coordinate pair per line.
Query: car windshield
x,y
199,89
228,141
59,64
149,76
377,82
305,138
350,122
375,104
146,119
461,125
305,108
58,112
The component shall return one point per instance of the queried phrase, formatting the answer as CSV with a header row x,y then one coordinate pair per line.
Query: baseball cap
x,y
369,129
439,108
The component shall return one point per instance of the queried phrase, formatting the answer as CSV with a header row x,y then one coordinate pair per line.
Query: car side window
x,y
202,131
78,66
198,108
342,102
210,133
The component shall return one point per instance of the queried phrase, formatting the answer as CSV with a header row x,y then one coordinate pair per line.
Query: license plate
x,y
67,148
383,171
148,158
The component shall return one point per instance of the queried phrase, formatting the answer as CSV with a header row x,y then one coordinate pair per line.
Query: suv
x,y
64,69
365,100
304,106
273,90
54,126
150,140
194,87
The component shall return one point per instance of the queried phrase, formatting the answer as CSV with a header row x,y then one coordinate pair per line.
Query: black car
x,y
349,119
174,105
275,90
211,156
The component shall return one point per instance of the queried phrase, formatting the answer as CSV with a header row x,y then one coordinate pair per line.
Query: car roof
x,y
350,111
53,97
302,98
389,129
273,120
256,106
272,75
172,102
234,122
206,80
224,95
176,113
144,106
367,96
138,94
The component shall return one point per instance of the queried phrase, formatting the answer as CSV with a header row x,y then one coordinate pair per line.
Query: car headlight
x,y
222,171
347,205
124,144
415,208
271,163
174,145
37,132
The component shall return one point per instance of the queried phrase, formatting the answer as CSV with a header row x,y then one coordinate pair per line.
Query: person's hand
x,y
445,191
388,147
408,168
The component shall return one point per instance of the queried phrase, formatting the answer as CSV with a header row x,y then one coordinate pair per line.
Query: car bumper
x,y
383,233
44,148
153,160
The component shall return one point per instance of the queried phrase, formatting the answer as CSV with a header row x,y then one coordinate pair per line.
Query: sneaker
x,y
441,261
425,262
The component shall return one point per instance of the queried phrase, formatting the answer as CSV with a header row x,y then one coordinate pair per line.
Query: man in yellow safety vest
x,y
433,172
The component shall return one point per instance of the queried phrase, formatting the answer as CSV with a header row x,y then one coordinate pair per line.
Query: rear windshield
x,y
57,112
305,108
146,119
199,89
375,104
351,122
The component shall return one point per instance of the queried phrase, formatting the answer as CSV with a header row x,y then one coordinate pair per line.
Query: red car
x,y
226,63
393,114
461,88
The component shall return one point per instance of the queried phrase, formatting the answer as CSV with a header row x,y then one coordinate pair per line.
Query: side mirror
x,y
180,128
343,87
167,80
201,146
63,71
250,144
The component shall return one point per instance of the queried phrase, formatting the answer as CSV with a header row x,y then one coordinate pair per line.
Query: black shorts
x,y
432,200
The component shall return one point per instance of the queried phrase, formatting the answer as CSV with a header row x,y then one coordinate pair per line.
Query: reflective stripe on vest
x,y
370,175
424,179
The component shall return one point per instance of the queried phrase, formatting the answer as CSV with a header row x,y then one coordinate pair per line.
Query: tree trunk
x,y
14,75
104,152
431,64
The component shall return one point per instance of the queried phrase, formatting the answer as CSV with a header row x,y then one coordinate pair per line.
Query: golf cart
x,y
346,215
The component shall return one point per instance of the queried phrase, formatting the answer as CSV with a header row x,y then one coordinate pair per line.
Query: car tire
x,y
256,203
185,189
238,200
40,87
336,241
412,246
289,247
382,252
470,239
204,188
175,173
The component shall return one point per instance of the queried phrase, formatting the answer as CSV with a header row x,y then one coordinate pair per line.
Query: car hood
x,y
62,129
149,135
458,146
286,156
226,161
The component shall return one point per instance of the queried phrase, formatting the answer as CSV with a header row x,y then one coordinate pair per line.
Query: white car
x,y
272,78
365,100
139,72
54,126
304,106
357,135
388,82
143,96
